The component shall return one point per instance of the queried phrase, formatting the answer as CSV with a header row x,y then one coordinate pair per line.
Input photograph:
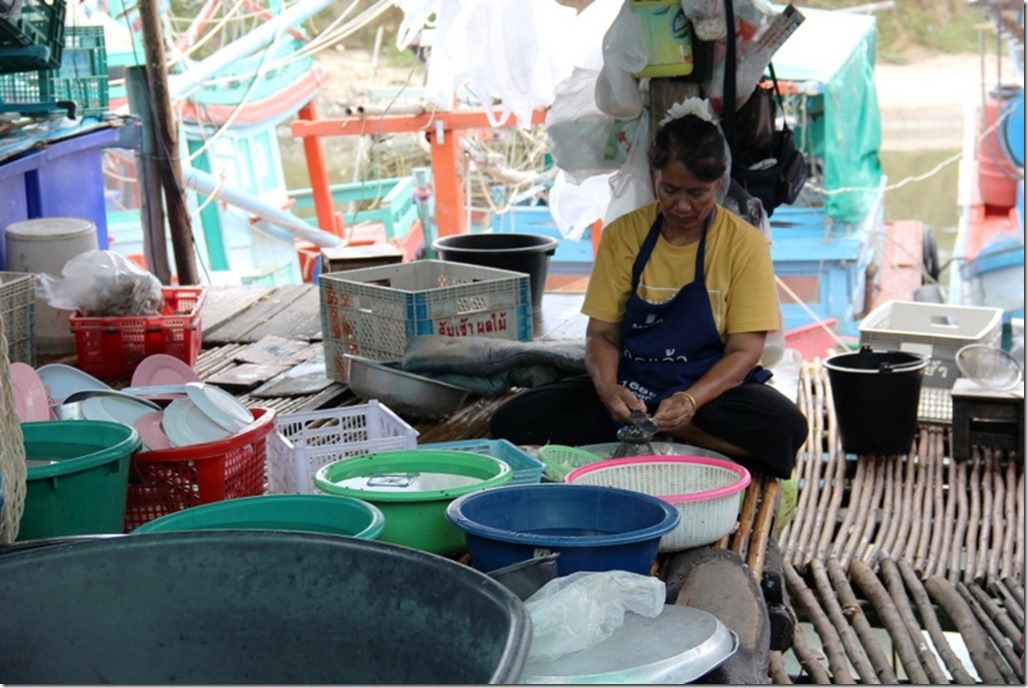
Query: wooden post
x,y
450,215
155,248
328,219
167,142
664,93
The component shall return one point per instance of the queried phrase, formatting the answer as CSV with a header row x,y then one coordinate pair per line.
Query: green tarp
x,y
831,58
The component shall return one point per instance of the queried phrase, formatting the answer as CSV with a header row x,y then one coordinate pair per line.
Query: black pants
x,y
755,417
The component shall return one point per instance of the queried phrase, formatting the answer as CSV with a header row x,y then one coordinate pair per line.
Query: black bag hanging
x,y
776,178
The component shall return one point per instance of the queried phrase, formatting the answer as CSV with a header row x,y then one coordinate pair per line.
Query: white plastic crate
x,y
304,442
932,329
17,311
373,312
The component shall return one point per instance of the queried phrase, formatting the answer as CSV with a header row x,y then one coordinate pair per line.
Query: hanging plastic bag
x,y
578,131
577,611
624,53
632,185
591,24
707,17
416,14
575,207
103,283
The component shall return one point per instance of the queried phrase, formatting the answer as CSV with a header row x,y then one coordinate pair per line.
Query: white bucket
x,y
44,245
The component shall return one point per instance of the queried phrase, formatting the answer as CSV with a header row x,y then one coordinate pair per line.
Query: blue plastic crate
x,y
527,470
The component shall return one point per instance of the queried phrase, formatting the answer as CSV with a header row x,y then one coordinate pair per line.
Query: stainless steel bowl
x,y
403,392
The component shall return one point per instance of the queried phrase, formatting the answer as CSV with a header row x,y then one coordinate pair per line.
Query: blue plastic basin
x,y
592,528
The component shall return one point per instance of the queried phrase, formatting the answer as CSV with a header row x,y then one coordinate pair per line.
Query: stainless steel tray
x,y
403,392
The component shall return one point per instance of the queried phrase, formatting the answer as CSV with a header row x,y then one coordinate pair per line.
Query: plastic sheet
x,y
103,283
579,610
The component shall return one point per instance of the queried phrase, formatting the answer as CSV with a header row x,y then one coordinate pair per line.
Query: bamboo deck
x,y
879,555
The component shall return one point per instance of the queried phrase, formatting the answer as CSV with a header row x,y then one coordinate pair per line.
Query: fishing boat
x,y
988,256
832,248
230,103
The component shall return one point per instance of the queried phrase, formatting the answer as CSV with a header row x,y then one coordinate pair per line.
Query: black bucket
x,y
528,253
876,394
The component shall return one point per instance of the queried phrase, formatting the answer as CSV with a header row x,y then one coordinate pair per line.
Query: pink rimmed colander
x,y
704,490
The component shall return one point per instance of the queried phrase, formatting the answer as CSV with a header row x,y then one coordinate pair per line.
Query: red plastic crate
x,y
164,481
111,347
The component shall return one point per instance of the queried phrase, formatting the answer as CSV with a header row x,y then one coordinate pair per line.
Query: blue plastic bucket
x,y
592,528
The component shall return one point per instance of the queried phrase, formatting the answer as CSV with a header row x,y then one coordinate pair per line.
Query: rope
x,y
821,323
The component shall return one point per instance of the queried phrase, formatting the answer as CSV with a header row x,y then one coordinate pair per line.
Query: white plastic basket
x,y
304,442
936,330
705,491
374,312
17,310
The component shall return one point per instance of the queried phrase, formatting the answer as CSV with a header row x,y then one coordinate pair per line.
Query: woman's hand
x,y
620,401
602,355
674,412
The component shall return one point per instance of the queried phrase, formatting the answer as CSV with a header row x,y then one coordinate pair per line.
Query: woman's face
x,y
685,200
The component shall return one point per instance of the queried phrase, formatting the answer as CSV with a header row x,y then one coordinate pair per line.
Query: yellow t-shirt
x,y
739,272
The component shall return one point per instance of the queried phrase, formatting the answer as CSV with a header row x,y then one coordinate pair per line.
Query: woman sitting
x,y
681,297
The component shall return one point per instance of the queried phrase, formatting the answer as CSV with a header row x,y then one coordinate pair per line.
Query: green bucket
x,y
413,489
295,512
77,477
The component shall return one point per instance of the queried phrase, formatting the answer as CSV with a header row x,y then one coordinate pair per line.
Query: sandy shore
x,y
923,103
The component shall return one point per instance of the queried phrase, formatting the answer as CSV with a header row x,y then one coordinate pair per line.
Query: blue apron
x,y
666,347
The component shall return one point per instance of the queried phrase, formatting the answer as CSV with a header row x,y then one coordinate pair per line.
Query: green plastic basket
x,y
82,77
561,460
77,477
34,38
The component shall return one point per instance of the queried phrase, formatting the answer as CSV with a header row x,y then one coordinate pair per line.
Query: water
x,y
933,201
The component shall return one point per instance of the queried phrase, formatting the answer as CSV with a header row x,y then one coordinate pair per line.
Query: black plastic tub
x,y
238,607
527,253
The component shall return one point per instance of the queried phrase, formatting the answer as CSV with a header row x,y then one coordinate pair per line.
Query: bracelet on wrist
x,y
692,400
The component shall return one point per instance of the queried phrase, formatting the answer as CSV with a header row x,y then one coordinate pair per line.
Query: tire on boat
x,y
929,255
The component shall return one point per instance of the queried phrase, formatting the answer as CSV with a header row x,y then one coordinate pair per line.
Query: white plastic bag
x,y
577,611
575,207
416,14
577,130
103,283
632,185
624,53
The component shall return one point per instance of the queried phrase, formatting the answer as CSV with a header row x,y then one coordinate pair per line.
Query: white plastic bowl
x,y
704,490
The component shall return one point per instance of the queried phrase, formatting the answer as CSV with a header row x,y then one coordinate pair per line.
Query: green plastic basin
x,y
328,514
413,489
77,477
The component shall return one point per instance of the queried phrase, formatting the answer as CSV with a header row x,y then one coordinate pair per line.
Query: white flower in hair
x,y
700,107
